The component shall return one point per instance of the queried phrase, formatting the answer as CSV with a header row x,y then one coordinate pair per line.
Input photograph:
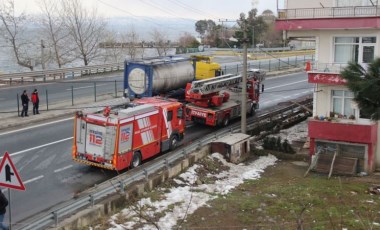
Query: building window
x,y
354,49
341,102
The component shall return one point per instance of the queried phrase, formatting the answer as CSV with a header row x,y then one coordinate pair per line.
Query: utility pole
x,y
244,81
243,24
42,54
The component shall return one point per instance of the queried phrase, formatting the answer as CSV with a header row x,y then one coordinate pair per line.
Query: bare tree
x,y
188,41
114,50
12,30
57,37
162,44
85,27
131,40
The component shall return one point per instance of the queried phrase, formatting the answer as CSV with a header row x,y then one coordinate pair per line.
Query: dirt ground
x,y
283,199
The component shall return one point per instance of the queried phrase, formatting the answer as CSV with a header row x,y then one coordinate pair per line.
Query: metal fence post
x,y
47,101
288,63
237,68
279,64
115,89
225,69
72,95
55,219
18,105
259,64
296,61
269,65
95,90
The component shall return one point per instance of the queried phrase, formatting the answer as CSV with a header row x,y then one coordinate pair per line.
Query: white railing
x,y
331,12
64,73
327,67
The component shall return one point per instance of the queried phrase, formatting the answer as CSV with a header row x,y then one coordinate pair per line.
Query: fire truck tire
x,y
136,160
226,121
252,111
173,142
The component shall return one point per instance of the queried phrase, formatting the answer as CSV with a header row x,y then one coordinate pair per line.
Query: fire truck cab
x,y
120,138
216,101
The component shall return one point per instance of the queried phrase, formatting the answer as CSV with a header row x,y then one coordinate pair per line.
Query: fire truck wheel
x,y
173,142
226,121
252,111
136,160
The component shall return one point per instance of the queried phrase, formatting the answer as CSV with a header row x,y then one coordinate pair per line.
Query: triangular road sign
x,y
8,174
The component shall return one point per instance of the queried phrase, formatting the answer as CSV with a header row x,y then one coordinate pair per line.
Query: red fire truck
x,y
120,138
216,101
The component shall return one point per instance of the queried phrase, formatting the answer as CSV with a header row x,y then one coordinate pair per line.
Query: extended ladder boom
x,y
216,84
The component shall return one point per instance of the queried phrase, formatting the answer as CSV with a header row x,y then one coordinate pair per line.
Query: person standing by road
x,y
3,206
35,101
25,103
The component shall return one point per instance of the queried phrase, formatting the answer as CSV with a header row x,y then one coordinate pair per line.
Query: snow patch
x,y
182,201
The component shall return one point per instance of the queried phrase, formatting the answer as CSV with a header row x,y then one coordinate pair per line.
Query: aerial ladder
x,y
212,92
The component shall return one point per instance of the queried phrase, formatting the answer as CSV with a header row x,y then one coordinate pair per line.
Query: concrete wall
x,y
325,41
117,202
296,4
323,99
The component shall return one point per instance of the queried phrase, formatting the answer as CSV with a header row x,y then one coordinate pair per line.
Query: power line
x,y
138,17
189,7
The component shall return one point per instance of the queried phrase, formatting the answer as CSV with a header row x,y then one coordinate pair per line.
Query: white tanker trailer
x,y
154,76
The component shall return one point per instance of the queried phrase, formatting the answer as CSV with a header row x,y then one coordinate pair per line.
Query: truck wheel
x,y
226,121
252,111
173,142
136,160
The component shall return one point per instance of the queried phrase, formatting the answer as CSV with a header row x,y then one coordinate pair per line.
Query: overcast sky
x,y
192,9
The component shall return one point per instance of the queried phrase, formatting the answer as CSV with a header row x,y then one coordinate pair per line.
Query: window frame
x,y
360,45
343,97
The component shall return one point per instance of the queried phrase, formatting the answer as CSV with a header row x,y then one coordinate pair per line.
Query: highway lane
x,y
43,154
61,91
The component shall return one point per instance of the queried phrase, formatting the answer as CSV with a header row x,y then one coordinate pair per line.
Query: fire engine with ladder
x,y
218,100
120,138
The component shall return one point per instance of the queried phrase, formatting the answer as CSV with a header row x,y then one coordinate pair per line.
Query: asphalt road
x,y
52,93
42,154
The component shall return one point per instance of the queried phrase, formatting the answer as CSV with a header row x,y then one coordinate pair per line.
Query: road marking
x,y
33,179
293,83
38,147
286,97
306,91
85,87
35,126
64,168
296,94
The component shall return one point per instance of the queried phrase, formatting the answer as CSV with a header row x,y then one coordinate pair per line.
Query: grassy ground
x,y
284,199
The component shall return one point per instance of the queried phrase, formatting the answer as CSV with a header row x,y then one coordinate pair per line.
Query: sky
x,y
189,9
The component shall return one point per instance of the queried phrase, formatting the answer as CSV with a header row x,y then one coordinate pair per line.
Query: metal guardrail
x,y
329,12
61,73
52,218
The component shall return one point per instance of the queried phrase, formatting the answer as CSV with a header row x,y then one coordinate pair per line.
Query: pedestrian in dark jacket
x,y
35,101
3,206
25,103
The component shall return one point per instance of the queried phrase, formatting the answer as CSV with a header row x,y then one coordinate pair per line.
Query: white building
x,y
344,31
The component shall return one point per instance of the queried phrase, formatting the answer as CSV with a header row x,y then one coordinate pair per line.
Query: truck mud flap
x,y
165,145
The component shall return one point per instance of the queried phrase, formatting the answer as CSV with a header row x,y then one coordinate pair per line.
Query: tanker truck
x,y
165,75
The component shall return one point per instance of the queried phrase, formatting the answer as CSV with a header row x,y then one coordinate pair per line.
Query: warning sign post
x,y
10,178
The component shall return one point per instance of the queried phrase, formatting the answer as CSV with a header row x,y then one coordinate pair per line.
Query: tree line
x,y
64,31
260,28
